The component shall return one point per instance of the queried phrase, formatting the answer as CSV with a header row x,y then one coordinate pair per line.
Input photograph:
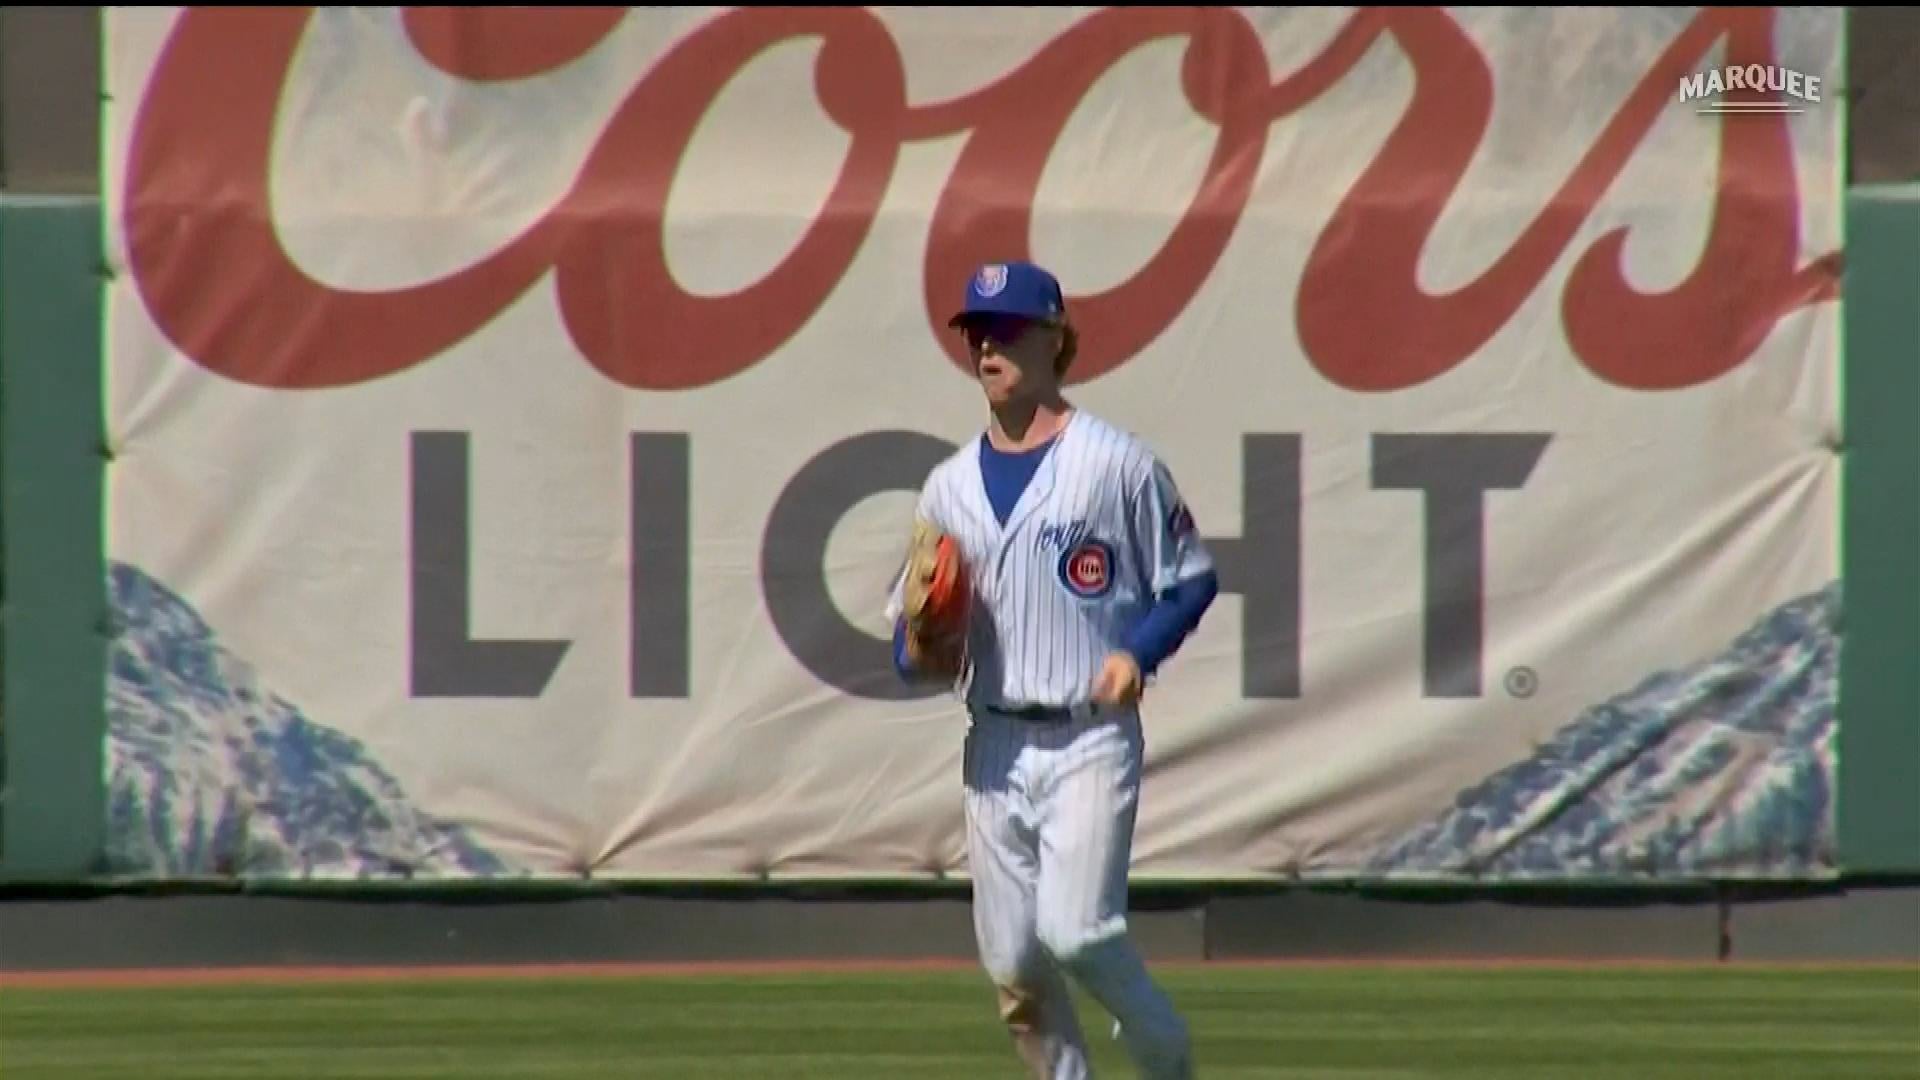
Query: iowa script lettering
x,y
207,261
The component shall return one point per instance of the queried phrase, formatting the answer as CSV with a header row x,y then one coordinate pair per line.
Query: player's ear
x,y
1069,348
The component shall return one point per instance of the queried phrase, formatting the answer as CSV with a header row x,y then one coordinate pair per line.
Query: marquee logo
x,y
1752,79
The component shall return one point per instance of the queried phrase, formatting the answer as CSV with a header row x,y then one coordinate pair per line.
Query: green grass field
x,y
1734,1023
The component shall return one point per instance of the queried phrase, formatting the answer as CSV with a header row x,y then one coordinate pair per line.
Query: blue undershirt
x,y
1175,612
1008,472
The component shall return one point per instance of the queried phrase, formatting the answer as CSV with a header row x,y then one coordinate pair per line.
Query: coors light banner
x,y
517,414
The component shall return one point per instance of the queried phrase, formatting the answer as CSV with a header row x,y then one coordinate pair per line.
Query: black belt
x,y
1047,714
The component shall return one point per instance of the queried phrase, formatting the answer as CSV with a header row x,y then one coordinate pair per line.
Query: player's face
x,y
1012,357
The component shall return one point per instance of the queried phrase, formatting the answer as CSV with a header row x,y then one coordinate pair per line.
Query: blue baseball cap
x,y
1014,288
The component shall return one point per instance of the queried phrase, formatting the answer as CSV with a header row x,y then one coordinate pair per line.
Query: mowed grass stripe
x,y
1537,1024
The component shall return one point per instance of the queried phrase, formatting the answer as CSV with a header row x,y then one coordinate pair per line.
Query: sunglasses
x,y
999,329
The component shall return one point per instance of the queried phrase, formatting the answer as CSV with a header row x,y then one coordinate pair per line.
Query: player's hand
x,y
1119,680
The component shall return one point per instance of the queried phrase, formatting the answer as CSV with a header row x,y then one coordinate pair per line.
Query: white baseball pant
x,y
1050,819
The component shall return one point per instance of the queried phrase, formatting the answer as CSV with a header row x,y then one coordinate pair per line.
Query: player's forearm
x,y
1174,616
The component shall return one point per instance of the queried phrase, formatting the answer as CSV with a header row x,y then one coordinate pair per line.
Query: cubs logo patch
x,y
1086,569
990,280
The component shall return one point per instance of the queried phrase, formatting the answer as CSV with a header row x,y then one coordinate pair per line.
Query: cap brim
x,y
966,317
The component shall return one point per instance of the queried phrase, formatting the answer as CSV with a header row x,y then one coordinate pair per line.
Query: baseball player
x,y
1085,573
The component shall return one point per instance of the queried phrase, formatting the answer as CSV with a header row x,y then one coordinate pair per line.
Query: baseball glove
x,y
937,600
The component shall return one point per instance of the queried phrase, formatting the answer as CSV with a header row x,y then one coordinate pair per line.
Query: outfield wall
x,y
1324,926
66,446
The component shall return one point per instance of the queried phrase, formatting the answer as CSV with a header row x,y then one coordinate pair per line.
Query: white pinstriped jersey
x,y
1100,529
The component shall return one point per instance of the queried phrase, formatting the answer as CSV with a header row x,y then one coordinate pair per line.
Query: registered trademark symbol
x,y
1522,682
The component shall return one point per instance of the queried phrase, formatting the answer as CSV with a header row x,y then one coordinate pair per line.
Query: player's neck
x,y
1023,425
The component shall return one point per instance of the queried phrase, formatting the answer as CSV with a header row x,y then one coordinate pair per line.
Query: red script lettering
x,y
209,265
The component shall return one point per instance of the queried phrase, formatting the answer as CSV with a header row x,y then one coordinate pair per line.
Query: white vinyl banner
x,y
516,416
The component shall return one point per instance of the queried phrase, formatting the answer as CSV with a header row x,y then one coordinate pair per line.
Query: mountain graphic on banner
x,y
212,775
1724,769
